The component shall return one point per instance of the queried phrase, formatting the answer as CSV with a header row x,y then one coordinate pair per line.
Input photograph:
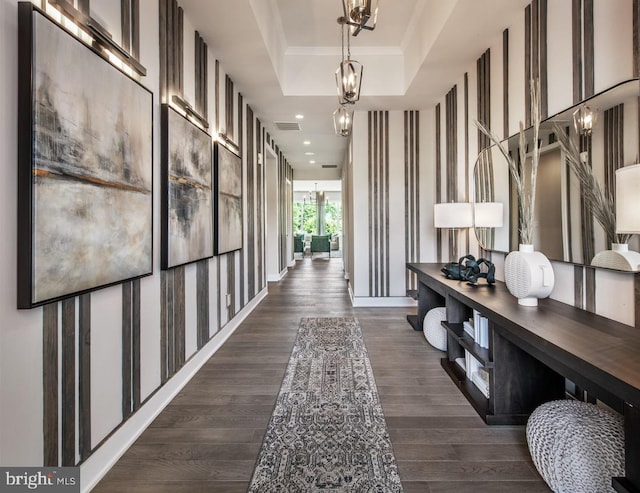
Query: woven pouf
x,y
576,447
434,332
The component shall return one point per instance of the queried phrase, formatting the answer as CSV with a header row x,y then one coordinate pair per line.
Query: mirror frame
x,y
606,99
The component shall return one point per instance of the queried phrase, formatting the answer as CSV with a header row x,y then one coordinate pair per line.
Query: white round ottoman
x,y
434,332
577,447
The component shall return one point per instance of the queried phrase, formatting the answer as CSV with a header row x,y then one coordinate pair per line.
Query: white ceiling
x,y
282,54
317,185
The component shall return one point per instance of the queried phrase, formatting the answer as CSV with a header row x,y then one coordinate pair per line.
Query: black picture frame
x,y
85,167
187,190
228,189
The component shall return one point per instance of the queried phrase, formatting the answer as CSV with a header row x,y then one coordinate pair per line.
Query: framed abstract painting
x,y
187,209
228,224
85,167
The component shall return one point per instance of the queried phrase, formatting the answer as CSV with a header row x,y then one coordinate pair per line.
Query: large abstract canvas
x,y
228,186
187,209
85,167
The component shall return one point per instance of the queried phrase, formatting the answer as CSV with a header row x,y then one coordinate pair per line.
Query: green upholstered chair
x,y
298,244
320,243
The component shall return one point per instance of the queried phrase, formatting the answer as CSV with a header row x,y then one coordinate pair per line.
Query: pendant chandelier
x,y
360,14
343,121
349,72
584,119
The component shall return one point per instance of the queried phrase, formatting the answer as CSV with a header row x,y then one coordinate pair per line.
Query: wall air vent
x,y
287,125
329,165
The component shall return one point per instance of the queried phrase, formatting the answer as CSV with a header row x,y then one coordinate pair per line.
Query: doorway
x,y
317,210
272,217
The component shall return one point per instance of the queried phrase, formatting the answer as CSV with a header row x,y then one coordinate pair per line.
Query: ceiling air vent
x,y
287,125
329,165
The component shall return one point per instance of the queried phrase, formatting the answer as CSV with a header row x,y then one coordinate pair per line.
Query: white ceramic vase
x,y
619,258
528,275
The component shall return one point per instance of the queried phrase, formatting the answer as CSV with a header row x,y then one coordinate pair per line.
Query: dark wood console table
x,y
531,352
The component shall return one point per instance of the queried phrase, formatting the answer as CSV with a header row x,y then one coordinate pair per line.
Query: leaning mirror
x,y
565,229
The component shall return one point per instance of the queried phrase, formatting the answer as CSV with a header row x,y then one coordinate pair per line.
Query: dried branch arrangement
x,y
600,203
525,184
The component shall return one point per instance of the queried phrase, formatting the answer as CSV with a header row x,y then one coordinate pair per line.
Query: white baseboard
x,y
277,277
103,459
381,301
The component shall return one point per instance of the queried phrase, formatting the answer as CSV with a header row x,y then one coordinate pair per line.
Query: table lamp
x,y
627,216
488,215
453,216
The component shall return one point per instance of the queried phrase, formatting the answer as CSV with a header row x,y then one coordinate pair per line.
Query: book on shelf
x,y
484,332
480,329
469,328
471,364
480,379
461,362
476,325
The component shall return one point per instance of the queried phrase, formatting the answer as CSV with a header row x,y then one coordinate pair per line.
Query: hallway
x,y
208,438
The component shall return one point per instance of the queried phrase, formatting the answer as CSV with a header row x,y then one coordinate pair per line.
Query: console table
x,y
531,352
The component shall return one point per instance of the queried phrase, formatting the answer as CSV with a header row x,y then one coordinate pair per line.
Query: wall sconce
x,y
360,14
101,37
488,214
349,72
343,121
228,143
584,119
187,108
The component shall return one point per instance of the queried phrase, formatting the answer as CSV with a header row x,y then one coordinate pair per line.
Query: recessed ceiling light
x,y
307,142
309,153
300,116
312,162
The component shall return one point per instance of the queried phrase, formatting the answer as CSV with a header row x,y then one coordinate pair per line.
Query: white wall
x,y
21,331
613,63
559,57
360,281
273,228
359,196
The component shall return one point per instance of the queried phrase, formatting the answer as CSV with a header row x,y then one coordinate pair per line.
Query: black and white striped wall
x,y
81,378
576,48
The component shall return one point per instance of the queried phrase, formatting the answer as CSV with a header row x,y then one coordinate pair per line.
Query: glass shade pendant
x,y
584,119
361,14
343,121
348,81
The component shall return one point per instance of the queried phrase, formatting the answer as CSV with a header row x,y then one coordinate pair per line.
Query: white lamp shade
x,y
628,199
453,215
488,214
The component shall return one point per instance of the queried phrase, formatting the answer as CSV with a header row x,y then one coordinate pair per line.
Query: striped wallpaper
x,y
67,332
378,172
536,60
412,192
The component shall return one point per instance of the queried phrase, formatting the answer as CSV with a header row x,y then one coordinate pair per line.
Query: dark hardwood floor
x,y
208,438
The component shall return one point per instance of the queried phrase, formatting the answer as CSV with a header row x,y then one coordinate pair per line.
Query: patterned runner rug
x,y
327,432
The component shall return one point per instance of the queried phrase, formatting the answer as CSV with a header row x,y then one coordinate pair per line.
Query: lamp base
x,y
619,258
